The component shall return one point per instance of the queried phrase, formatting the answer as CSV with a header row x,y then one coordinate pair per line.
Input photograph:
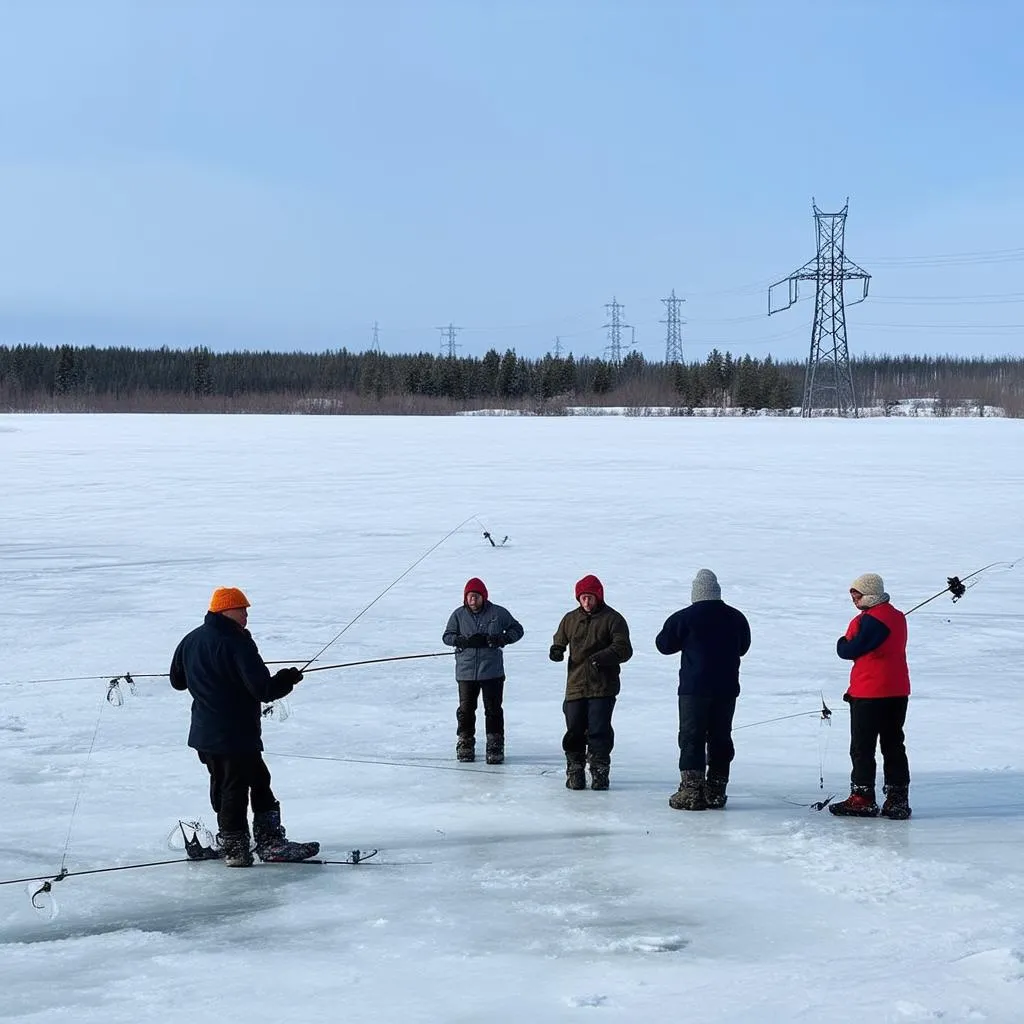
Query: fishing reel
x,y
956,587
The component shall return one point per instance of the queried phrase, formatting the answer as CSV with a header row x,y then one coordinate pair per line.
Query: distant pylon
x,y
557,351
828,381
448,345
375,347
614,327
673,336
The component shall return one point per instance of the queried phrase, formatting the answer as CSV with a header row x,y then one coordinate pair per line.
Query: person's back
x,y
711,637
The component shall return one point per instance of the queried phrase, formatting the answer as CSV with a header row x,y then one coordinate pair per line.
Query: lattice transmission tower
x,y
448,344
615,327
673,335
828,381
375,345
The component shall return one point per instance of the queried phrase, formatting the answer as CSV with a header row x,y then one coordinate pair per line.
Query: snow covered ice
x,y
498,895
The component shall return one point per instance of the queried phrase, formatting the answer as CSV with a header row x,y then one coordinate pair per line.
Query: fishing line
x,y
389,587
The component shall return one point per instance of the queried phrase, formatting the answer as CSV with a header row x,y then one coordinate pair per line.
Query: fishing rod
x,y
957,585
377,661
341,632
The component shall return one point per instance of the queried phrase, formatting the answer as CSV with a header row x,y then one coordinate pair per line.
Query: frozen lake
x,y
497,894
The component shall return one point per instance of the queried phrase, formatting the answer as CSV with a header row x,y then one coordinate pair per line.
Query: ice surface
x,y
497,894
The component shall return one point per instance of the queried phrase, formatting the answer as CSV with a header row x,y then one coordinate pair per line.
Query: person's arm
x,y
619,648
513,631
451,636
672,638
256,676
744,634
178,680
560,641
871,633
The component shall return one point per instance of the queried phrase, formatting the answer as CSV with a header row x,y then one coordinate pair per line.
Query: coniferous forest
x,y
37,378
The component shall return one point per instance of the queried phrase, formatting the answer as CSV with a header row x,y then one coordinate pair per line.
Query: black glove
x,y
289,676
497,640
556,653
477,640
461,642
604,659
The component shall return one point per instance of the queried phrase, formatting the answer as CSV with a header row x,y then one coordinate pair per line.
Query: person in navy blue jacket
x,y
220,666
711,637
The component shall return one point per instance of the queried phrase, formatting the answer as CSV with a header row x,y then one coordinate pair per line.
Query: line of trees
x,y
33,377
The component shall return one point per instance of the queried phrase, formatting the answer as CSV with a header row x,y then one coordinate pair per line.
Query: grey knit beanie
x,y
705,587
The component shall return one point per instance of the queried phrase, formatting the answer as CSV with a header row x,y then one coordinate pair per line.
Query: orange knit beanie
x,y
226,598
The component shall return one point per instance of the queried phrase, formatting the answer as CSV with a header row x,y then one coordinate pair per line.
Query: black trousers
x,y
494,718
878,721
235,780
705,734
588,726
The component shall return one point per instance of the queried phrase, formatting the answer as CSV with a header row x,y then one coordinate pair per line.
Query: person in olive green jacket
x,y
597,638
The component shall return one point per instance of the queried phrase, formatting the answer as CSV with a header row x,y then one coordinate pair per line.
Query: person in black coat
x,y
711,637
220,666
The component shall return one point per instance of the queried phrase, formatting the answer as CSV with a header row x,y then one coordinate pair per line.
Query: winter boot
x,y
714,790
465,748
859,804
495,748
896,806
237,852
599,769
690,795
271,844
575,774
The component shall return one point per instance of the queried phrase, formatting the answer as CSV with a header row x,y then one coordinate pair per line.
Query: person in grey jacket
x,y
478,631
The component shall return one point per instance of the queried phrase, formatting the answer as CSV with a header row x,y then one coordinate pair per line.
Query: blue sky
x,y
283,175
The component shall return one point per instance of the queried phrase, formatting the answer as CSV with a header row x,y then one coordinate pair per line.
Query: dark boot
x,y
495,748
690,795
465,748
714,790
859,804
271,843
575,771
896,804
599,770
237,851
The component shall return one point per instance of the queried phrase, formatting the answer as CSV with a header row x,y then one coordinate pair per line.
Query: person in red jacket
x,y
879,690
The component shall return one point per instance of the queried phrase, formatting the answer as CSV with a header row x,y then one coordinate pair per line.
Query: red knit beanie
x,y
474,586
590,585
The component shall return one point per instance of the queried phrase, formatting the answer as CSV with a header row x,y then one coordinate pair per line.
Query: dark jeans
x,y
234,780
705,734
878,721
588,725
494,717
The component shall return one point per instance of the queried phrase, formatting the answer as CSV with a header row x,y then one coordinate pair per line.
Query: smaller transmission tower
x,y
673,335
557,350
448,345
828,381
614,328
375,346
